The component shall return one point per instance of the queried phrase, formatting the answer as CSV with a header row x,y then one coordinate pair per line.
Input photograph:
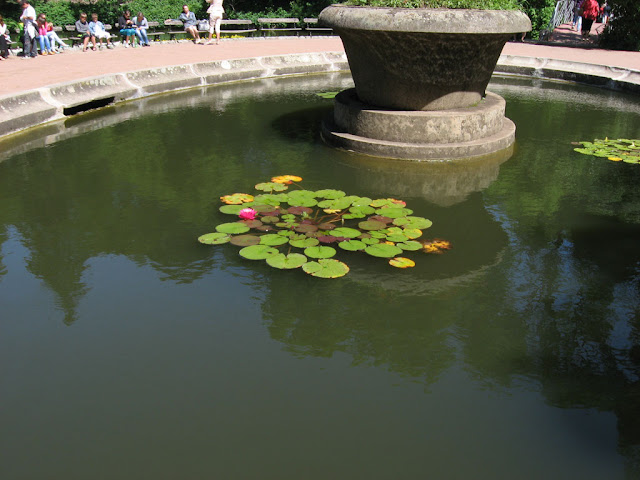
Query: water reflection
x,y
540,291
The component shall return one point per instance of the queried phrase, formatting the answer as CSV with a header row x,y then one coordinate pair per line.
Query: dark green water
x,y
130,351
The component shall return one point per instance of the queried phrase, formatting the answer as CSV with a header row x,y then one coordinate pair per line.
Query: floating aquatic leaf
x,y
303,202
301,193
412,233
319,252
372,225
232,228
245,240
282,261
379,233
383,250
273,239
304,243
258,252
271,187
363,210
286,179
352,245
269,219
306,228
300,210
397,237
268,199
381,218
328,95
345,232
413,222
394,212
360,201
287,233
436,246
231,209
217,238
326,268
622,149
382,202
402,262
409,245
271,210
266,228
335,204
252,223
327,239
326,226
237,198
330,194
371,241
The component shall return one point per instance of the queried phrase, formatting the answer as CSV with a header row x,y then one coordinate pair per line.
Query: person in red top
x,y
590,11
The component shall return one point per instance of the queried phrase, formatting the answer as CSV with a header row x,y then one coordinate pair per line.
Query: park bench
x,y
311,26
173,25
74,38
237,27
153,33
278,25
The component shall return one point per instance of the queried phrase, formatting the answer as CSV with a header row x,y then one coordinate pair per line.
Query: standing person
x,y
577,17
45,45
82,28
98,30
142,25
53,36
28,19
190,23
590,11
215,11
127,29
606,12
4,37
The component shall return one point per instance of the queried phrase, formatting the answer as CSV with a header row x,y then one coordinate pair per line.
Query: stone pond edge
x,y
39,106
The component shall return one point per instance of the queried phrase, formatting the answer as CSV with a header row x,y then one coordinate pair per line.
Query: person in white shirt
x,y
28,19
4,39
215,12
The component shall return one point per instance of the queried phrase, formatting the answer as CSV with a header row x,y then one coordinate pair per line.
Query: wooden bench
x,y
172,24
237,27
311,25
278,25
152,31
74,39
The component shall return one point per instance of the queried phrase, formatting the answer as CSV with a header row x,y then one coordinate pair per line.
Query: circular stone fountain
x,y
420,77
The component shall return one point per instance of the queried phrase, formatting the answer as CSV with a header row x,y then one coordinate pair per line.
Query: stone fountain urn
x,y
420,81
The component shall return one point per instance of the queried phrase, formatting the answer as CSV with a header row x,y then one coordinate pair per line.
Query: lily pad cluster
x,y
620,150
297,228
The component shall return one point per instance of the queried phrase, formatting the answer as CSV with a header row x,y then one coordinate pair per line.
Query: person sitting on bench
x,y
190,23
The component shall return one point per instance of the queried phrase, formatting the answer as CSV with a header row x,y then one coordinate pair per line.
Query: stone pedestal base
x,y
419,135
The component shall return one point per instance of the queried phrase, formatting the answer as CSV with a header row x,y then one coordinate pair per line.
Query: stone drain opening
x,y
83,107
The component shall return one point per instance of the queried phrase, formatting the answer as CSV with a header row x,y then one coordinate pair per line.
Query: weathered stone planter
x,y
427,60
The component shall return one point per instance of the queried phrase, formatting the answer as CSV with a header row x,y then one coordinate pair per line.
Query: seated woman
x,y
45,45
142,25
190,23
97,28
4,39
53,37
127,28
82,28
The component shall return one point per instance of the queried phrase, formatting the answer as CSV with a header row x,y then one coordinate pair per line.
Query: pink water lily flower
x,y
248,214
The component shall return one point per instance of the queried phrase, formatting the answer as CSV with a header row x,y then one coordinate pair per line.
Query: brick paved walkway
x,y
18,74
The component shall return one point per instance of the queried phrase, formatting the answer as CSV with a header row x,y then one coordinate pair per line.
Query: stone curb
x,y
42,105
46,104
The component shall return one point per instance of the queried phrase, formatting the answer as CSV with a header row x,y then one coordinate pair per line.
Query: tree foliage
x,y
622,31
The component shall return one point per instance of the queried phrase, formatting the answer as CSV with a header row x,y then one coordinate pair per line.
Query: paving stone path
x,y
18,74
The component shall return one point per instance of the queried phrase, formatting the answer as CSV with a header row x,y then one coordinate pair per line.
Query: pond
x,y
131,351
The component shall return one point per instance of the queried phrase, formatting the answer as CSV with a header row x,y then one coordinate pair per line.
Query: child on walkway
x,y
82,27
45,45
97,28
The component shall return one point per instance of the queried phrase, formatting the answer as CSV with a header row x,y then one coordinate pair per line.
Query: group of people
x,y
91,33
587,12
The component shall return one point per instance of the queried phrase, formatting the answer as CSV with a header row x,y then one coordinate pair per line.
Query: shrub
x,y
622,31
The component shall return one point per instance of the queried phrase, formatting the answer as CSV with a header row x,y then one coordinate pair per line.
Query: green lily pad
x,y
360,201
335,204
410,245
397,237
394,212
352,245
217,238
379,233
273,239
258,252
330,194
303,202
304,243
372,225
370,240
320,252
232,228
267,199
271,187
383,250
306,228
269,219
412,233
381,202
232,209
345,232
285,262
413,222
363,210
252,223
301,193
326,268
